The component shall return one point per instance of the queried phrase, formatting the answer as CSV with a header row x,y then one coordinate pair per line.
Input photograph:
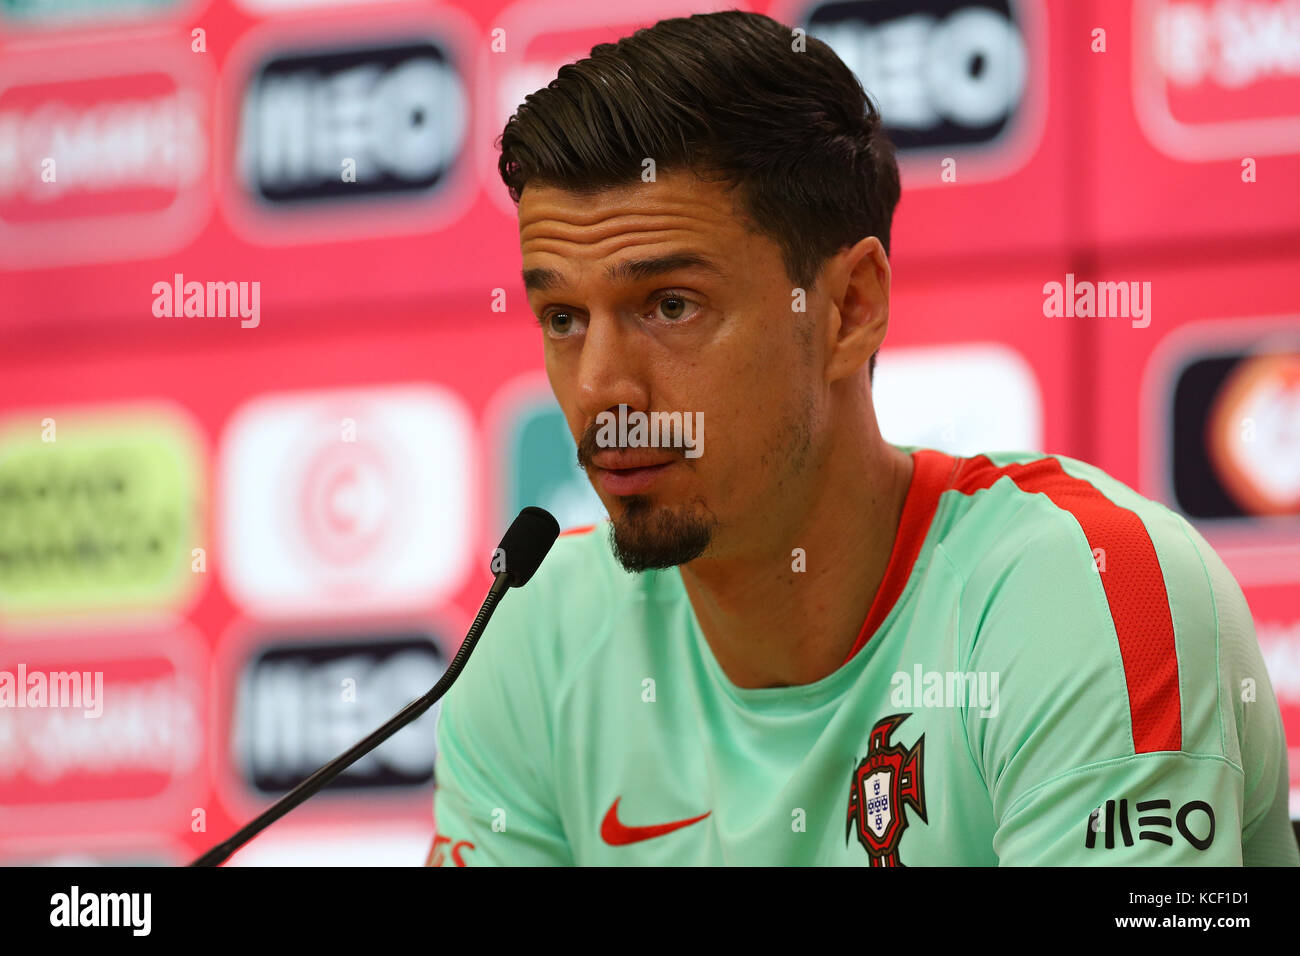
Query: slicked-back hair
x,y
731,97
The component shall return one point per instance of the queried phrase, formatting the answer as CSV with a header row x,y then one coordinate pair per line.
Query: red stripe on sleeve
x,y
1134,586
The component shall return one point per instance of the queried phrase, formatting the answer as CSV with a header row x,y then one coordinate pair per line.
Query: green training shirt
x,y
1054,670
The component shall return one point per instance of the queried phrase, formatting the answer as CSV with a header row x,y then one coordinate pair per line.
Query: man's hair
x,y
729,94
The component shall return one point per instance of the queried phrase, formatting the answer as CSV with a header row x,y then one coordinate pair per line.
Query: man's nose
x,y
609,367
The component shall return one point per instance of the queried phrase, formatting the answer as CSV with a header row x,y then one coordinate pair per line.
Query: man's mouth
x,y
628,473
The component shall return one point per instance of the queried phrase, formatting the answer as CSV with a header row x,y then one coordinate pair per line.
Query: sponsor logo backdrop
x,y
270,390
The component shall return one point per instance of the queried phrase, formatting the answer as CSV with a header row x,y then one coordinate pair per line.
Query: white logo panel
x,y
346,500
960,399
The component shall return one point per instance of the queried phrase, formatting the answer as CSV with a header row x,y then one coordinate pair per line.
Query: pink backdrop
x,y
265,537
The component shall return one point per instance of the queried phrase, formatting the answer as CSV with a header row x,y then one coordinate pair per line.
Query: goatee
x,y
645,537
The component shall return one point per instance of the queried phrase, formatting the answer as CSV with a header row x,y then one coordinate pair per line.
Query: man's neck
x,y
774,619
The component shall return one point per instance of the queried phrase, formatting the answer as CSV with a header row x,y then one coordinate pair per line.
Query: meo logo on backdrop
x,y
953,78
352,129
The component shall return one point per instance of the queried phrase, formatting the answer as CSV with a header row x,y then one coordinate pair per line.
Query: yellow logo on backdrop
x,y
98,510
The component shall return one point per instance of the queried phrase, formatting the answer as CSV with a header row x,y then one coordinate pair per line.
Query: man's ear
x,y
858,287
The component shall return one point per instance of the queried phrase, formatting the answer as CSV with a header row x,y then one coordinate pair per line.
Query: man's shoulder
x,y
1073,575
1055,551
1035,485
1000,508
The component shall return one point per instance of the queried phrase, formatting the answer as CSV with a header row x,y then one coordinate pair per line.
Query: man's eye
x,y
558,323
674,307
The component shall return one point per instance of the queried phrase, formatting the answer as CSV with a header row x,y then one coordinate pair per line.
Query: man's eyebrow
x,y
540,279
630,271
636,269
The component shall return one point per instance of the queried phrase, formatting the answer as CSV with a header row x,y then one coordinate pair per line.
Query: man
x,y
797,643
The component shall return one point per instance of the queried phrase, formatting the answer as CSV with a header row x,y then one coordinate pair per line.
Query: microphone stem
x,y
409,713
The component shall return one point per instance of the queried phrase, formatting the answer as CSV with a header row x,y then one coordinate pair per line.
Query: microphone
x,y
525,543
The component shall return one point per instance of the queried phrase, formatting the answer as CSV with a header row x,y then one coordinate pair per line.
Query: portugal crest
x,y
887,779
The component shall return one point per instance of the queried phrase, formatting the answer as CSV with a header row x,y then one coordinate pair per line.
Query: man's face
x,y
626,325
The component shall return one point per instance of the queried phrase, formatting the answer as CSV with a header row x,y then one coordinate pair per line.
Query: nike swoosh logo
x,y
617,834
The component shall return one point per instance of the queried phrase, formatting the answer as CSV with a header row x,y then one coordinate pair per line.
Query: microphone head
x,y
525,543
